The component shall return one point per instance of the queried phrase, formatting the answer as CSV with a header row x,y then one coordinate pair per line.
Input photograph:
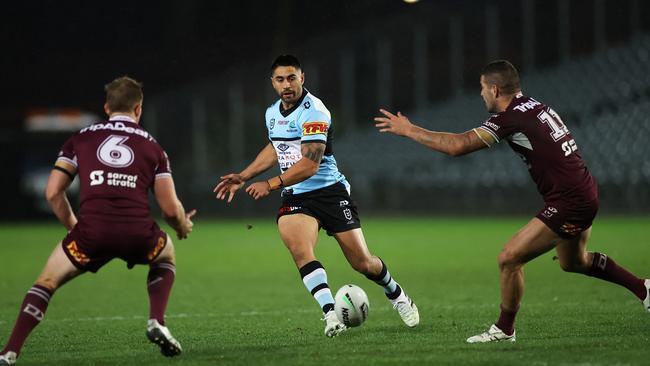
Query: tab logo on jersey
x,y
314,128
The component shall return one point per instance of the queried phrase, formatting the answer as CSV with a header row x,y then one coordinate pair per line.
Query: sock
x,y
31,313
159,285
385,280
315,279
606,269
506,321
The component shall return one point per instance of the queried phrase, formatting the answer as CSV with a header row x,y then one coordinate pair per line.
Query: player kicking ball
x,y
314,193
537,134
118,162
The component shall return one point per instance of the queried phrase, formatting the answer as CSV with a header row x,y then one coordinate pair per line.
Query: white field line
x,y
311,310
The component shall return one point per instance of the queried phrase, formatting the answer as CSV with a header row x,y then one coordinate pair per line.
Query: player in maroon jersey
x,y
117,162
536,133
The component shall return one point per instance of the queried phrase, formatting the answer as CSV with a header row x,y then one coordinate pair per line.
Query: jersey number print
x,y
114,153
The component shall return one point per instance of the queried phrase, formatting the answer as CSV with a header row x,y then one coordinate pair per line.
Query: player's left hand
x,y
398,124
259,190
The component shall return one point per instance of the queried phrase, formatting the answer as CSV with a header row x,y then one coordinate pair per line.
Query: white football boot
x,y
8,358
494,334
162,337
333,325
406,309
646,301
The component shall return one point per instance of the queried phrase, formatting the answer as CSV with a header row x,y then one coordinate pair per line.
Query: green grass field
x,y
238,300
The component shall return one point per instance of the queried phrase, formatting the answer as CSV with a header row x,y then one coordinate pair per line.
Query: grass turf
x,y
238,300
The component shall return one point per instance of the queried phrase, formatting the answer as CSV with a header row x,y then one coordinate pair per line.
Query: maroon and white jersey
x,y
538,135
117,162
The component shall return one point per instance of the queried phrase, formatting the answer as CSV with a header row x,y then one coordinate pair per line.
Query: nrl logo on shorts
x,y
283,147
347,213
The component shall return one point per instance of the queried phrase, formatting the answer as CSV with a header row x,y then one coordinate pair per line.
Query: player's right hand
x,y
187,227
229,184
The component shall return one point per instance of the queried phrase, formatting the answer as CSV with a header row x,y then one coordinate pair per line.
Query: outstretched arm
x,y
231,183
454,144
307,166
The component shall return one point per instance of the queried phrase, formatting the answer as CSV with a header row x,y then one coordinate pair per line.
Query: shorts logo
x,y
283,147
159,245
288,209
76,254
549,212
314,128
34,311
570,229
344,203
347,213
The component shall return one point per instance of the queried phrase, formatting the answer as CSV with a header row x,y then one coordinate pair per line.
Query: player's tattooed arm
x,y
454,144
313,151
312,154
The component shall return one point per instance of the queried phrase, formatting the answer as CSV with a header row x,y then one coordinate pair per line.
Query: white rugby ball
x,y
351,305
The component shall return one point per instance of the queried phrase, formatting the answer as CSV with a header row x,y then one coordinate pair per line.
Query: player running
x,y
117,162
537,134
314,193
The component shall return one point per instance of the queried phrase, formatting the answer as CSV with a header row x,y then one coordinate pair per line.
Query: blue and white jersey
x,y
307,121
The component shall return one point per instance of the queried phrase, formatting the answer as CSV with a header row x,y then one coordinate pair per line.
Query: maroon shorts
x,y
568,219
92,244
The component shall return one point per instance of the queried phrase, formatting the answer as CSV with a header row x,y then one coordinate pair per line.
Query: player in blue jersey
x,y
314,193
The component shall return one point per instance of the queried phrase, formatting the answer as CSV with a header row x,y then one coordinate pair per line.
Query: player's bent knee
x,y
508,259
168,254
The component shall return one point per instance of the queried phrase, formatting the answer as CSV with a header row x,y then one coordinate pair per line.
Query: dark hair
x,y
504,75
123,94
285,60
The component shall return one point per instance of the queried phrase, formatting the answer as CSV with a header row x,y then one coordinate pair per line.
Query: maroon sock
x,y
606,269
506,321
159,285
31,313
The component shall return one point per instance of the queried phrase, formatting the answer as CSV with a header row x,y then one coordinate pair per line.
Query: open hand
x,y
259,190
228,185
397,124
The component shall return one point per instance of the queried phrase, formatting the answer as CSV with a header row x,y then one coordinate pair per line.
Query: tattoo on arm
x,y
313,151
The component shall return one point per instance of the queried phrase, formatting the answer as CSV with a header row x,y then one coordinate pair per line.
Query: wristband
x,y
275,183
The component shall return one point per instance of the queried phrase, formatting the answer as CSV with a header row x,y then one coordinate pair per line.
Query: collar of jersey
x,y
122,118
287,112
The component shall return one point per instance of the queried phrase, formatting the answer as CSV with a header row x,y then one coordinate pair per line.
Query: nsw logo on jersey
x,y
314,128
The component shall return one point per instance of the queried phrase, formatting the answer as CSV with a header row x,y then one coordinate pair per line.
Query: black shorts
x,y
331,206
90,245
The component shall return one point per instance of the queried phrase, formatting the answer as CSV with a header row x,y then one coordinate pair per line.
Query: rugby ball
x,y
351,305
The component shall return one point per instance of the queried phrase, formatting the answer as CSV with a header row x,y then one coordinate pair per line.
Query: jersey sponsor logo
x,y
314,128
113,179
118,126
76,254
523,107
283,123
283,147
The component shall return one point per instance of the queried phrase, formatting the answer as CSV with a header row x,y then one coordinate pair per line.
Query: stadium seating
x,y
603,99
